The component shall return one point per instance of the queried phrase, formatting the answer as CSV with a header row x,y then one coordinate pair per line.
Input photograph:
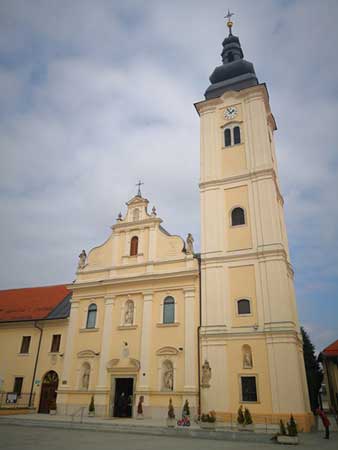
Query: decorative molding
x,y
112,363
167,351
87,354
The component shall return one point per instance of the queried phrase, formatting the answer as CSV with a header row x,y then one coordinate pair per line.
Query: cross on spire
x,y
139,184
229,22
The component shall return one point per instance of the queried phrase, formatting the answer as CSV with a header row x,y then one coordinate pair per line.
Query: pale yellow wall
x,y
242,284
238,237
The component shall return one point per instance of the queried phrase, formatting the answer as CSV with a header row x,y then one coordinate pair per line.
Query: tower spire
x,y
229,21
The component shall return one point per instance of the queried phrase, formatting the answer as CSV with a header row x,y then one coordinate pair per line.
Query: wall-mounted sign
x,y
11,397
37,382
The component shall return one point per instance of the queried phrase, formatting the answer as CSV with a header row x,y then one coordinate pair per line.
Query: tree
x,y
314,373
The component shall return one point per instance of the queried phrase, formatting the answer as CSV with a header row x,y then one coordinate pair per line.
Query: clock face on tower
x,y
230,112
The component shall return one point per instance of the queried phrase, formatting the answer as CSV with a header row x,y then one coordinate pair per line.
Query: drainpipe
x,y
198,334
36,365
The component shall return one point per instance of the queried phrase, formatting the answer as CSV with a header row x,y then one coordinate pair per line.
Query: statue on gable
x,y
82,260
190,244
206,374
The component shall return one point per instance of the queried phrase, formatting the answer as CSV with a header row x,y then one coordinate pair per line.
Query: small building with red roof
x,y
329,358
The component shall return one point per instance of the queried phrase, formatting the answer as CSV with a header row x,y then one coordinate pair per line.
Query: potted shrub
x,y
171,422
289,436
52,406
91,408
208,421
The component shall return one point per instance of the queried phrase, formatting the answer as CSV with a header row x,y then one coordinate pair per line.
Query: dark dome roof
x,y
231,70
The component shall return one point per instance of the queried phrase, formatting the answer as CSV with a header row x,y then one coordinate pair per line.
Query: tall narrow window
x,y
91,316
237,135
18,385
169,310
134,246
26,340
243,306
55,343
249,389
237,217
227,137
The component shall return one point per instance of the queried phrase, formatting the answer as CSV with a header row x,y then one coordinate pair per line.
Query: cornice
x,y
134,279
139,224
258,254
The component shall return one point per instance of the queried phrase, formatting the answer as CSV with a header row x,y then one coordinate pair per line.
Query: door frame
x,y
42,389
113,389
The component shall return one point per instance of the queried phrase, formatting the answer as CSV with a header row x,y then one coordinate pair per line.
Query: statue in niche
x,y
168,376
190,244
247,358
85,377
82,260
206,374
129,313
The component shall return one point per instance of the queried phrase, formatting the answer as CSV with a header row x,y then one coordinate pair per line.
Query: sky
x,y
95,95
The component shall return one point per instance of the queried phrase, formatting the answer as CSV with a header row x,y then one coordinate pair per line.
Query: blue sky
x,y
95,95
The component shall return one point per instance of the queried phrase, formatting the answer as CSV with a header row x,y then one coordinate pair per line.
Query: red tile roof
x,y
332,349
30,303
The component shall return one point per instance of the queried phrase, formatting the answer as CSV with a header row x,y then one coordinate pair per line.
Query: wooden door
x,y
48,391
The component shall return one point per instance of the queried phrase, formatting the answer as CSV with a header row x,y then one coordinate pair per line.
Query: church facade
x,y
150,320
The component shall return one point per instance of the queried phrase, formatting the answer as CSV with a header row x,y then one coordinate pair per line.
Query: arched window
x,y
243,306
91,316
227,137
247,357
133,246
169,310
237,217
167,376
85,376
129,313
237,135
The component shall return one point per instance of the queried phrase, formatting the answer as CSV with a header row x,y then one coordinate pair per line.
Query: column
x,y
72,328
146,340
109,302
190,338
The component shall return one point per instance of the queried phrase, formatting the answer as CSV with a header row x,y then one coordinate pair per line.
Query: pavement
x,y
14,437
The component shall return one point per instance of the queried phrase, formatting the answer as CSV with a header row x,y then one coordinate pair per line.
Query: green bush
x,y
282,429
247,417
171,411
240,416
186,409
91,405
292,427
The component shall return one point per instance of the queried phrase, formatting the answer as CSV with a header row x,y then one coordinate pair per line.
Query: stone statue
x,y
247,359
190,244
129,314
82,260
206,374
168,377
85,378
153,211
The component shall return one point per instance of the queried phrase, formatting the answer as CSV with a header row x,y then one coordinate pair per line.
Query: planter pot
x,y
91,413
52,412
291,440
171,423
208,425
250,427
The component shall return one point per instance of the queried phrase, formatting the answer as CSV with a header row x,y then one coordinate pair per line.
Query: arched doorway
x,y
48,391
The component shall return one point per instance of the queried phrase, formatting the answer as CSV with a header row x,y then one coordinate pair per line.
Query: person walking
x,y
326,422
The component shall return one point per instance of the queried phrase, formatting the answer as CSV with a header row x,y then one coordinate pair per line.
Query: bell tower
x,y
250,334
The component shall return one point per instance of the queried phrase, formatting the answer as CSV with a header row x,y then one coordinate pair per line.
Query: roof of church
x,y
235,73
35,303
331,350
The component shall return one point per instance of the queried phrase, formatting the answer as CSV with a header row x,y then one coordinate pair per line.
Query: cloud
x,y
95,95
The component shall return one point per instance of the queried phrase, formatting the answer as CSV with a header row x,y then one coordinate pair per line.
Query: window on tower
x,y
134,246
243,306
237,135
237,217
227,137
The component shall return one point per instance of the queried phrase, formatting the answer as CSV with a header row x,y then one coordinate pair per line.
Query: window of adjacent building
x,y
134,246
55,343
249,389
232,135
237,217
243,306
91,316
26,340
18,385
169,310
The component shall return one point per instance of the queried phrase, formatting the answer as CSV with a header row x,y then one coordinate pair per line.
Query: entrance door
x,y
48,392
123,400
